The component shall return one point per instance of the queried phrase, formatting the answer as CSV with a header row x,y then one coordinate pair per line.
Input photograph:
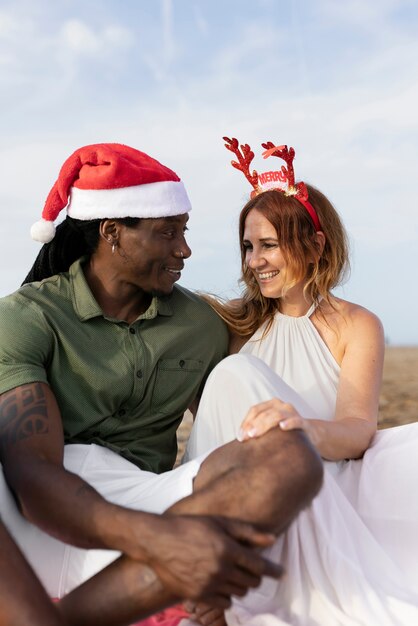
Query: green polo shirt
x,y
122,386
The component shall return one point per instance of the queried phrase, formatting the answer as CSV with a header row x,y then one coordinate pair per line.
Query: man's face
x,y
151,255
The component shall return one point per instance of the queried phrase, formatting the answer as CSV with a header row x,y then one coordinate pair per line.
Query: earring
x,y
111,241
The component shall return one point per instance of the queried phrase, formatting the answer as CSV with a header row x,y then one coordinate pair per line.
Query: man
x,y
104,355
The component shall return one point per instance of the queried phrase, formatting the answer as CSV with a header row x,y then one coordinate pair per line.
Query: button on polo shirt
x,y
122,386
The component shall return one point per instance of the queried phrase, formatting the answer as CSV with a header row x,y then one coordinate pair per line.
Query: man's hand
x,y
210,559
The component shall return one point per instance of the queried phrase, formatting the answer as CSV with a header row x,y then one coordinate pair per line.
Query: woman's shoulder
x,y
342,324
349,316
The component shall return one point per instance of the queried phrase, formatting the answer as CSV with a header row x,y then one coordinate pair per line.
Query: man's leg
x,y
122,593
23,600
265,481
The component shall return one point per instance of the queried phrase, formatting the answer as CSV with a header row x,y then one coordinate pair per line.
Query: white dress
x,y
351,557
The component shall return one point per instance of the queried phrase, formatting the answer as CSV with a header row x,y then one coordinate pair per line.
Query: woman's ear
x,y
320,241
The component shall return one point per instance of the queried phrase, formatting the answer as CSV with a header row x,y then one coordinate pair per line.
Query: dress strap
x,y
312,308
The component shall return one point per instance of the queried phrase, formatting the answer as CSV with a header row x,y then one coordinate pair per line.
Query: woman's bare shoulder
x,y
350,316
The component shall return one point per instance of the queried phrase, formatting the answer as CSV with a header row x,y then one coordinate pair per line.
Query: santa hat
x,y
110,180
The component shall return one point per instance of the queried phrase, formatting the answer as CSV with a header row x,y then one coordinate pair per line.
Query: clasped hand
x,y
210,558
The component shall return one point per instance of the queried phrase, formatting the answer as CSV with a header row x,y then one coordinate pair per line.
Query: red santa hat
x,y
111,180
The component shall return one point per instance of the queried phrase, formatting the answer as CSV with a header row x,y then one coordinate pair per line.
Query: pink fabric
x,y
169,617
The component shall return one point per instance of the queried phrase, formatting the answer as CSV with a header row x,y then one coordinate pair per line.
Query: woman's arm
x,y
356,412
355,421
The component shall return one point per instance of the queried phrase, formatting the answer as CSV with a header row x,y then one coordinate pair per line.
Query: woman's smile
x,y
266,276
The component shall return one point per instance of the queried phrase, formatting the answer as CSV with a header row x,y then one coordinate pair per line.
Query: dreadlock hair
x,y
73,239
296,236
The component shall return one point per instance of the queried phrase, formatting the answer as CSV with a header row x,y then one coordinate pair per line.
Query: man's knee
x,y
296,467
265,481
289,474
305,463
278,460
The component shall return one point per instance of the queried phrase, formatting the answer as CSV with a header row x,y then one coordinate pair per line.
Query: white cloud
x,y
77,36
9,26
370,16
118,36
200,21
161,58
45,61
80,38
167,22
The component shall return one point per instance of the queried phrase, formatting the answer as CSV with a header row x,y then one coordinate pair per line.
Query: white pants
x,y
62,567
236,384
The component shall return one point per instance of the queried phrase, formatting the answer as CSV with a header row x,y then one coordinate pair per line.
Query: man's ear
x,y
109,230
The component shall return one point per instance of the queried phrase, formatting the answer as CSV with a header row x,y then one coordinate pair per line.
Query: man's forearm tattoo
x,y
23,413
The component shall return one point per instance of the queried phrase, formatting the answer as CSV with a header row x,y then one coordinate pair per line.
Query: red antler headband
x,y
283,180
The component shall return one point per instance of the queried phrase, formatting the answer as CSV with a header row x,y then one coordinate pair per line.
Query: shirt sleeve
x,y
25,343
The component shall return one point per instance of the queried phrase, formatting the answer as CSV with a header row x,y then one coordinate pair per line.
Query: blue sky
x,y
336,80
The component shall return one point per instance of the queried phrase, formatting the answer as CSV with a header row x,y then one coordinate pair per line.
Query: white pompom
x,y
43,231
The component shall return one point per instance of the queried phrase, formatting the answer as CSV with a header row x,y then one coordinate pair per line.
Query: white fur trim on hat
x,y
161,199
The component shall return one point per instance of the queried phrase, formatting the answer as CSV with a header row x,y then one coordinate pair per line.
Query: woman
x,y
351,556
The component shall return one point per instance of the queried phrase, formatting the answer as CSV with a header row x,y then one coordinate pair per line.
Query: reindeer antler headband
x,y
283,180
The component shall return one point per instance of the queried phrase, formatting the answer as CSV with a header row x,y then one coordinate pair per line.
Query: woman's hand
x,y
266,415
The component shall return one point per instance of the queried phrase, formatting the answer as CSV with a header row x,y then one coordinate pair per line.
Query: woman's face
x,y
264,256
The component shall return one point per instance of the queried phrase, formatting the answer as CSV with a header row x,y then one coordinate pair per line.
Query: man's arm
x,y
32,446
196,557
121,593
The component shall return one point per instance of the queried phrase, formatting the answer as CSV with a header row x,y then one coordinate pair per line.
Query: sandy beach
x,y
398,398
399,394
